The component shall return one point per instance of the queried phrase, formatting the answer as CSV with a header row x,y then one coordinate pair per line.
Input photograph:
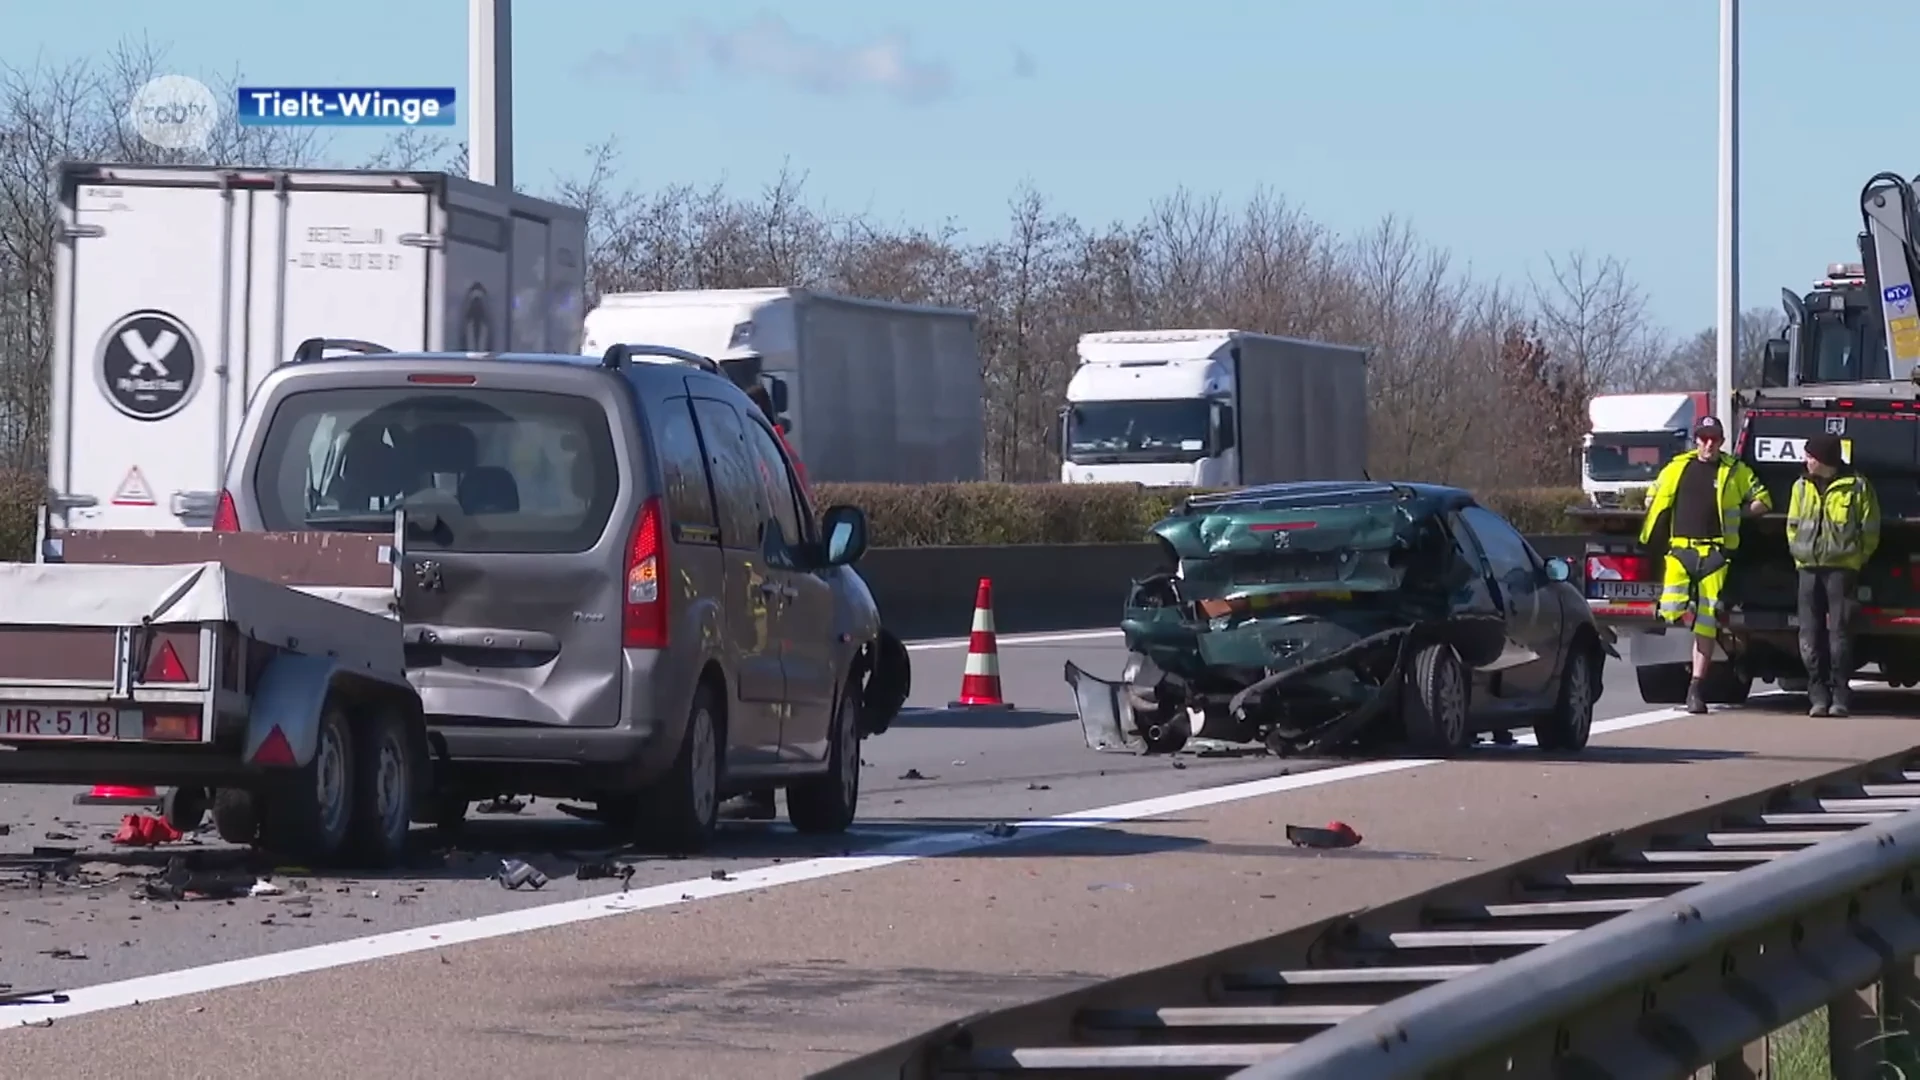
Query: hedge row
x,y
907,515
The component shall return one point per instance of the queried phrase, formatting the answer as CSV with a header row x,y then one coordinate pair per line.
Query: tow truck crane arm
x,y
1890,206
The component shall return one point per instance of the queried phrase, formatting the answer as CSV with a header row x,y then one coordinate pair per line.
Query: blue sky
x,y
1500,129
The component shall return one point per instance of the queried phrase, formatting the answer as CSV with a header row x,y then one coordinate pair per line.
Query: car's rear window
x,y
478,470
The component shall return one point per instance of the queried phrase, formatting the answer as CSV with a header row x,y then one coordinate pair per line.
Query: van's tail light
x,y
225,517
1619,568
644,620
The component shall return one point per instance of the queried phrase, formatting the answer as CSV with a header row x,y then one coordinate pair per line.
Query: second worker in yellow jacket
x,y
1703,493
1833,528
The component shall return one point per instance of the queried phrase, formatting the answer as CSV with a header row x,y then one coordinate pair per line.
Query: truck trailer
x,y
179,288
867,391
1213,409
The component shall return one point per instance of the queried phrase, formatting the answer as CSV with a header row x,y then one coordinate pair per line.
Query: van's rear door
x,y
511,478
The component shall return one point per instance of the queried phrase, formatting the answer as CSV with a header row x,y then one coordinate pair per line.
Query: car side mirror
x,y
844,535
1559,569
777,393
1773,363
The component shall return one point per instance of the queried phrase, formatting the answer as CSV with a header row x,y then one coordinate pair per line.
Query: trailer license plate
x,y
66,722
1627,590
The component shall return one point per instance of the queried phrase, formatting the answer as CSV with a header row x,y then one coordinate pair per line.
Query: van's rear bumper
x,y
548,761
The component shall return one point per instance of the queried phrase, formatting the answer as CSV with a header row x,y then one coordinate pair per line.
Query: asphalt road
x,y
936,770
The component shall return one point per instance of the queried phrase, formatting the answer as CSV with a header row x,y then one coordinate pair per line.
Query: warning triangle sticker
x,y
133,491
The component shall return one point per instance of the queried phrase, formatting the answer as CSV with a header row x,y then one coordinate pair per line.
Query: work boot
x,y
1817,699
1841,693
1696,698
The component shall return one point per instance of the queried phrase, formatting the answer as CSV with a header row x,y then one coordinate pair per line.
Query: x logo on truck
x,y
148,365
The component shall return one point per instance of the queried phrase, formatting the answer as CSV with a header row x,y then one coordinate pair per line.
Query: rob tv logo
x,y
345,106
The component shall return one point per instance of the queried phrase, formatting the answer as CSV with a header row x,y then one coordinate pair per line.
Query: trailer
x,y
262,676
867,391
179,288
1213,409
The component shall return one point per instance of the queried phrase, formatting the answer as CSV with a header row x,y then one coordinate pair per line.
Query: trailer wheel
x,y
383,790
308,814
235,816
185,807
1434,702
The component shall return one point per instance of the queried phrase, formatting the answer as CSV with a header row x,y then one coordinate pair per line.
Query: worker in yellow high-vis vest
x,y
1833,528
1699,497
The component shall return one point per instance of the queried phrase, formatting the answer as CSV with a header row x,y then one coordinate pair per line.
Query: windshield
x,y
1631,457
476,470
1105,431
1845,346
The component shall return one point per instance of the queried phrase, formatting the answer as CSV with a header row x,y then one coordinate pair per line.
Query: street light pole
x,y
1727,298
490,88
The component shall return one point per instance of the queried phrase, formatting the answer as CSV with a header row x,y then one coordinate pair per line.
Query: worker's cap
x,y
1825,449
1709,428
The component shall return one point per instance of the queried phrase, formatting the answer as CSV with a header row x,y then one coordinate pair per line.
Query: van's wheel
x,y
1433,702
1663,684
309,811
680,812
826,804
185,808
383,792
236,816
1567,728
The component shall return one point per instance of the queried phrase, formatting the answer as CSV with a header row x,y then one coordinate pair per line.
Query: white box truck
x,y
868,391
1213,409
1630,436
179,288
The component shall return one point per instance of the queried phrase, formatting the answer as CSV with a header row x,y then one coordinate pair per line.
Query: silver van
x,y
616,591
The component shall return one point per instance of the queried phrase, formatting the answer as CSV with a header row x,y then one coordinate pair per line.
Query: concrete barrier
x,y
928,592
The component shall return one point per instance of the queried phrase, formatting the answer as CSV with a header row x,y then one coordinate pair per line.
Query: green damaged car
x,y
1319,615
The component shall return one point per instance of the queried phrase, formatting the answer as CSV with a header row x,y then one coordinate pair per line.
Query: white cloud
x,y
769,48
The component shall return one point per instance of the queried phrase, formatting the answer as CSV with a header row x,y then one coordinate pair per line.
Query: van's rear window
x,y
477,470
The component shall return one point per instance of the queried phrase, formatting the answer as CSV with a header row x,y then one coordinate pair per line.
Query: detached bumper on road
x,y
1106,717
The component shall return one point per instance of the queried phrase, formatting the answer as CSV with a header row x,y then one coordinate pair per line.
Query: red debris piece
x,y
144,830
1337,834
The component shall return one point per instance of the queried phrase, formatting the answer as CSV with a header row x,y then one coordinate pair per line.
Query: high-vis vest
x,y
1839,530
1737,486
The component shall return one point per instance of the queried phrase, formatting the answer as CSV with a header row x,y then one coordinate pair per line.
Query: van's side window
x,y
777,481
689,498
736,485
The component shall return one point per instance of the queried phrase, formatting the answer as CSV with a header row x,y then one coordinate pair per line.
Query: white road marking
x,y
1017,639
256,969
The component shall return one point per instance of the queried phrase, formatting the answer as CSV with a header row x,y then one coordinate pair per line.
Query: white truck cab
x,y
1212,409
1630,437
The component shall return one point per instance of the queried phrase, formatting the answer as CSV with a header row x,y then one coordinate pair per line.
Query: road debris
x,y
515,873
33,997
914,774
263,887
1001,829
599,871
65,954
720,875
51,835
1039,787
145,830
182,881
1110,886
1337,834
502,804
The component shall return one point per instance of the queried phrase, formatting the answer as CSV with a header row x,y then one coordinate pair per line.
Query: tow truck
x,y
1844,365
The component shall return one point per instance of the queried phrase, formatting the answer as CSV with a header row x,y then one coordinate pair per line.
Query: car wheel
x,y
826,804
680,812
383,793
1434,702
308,813
1571,722
1663,684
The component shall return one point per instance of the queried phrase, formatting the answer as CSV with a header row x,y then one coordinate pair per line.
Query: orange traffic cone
x,y
118,795
980,683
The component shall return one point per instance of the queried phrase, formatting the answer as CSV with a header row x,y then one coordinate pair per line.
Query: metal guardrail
x,y
1650,953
